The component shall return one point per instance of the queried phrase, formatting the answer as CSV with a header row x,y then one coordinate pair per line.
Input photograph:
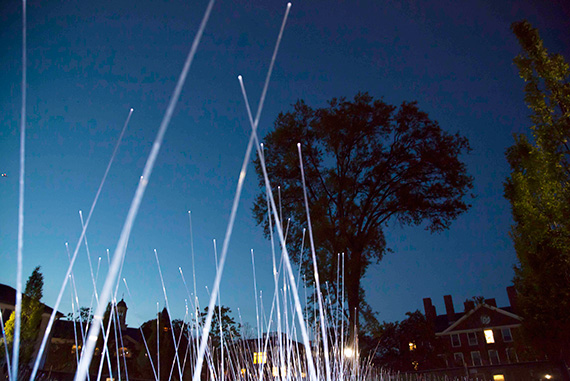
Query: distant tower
x,y
122,311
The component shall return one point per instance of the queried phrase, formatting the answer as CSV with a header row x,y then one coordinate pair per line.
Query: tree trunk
x,y
353,295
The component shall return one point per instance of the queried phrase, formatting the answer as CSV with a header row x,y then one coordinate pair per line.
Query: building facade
x,y
483,342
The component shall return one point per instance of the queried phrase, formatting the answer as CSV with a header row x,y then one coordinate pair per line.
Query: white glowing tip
x,y
288,5
239,77
142,177
348,352
132,109
299,145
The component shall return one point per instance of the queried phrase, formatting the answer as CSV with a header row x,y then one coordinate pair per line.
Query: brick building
x,y
483,341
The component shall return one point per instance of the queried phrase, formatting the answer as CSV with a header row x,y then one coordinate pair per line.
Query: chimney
x,y
491,302
469,305
512,293
429,309
449,308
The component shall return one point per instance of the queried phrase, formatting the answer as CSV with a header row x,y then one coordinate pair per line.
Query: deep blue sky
x,y
89,62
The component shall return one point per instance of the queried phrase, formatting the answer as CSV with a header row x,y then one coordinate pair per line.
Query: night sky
x,y
90,62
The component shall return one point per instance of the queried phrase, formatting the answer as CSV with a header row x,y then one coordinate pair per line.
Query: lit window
x,y
494,357
412,346
75,348
243,371
507,337
489,338
459,360
472,338
275,371
455,340
476,358
259,357
498,377
415,364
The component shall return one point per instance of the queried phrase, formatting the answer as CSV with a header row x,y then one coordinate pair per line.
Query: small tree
x,y
229,327
539,193
84,315
31,316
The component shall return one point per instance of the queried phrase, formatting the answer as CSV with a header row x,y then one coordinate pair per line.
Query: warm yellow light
x,y
259,357
547,376
243,371
275,371
498,377
489,338
412,346
348,352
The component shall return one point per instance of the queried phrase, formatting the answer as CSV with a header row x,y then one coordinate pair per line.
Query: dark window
x,y
455,340
472,338
494,357
507,337
458,358
511,355
476,358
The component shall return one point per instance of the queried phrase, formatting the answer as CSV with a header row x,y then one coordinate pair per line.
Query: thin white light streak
x,y
169,314
208,322
315,267
18,309
72,262
137,199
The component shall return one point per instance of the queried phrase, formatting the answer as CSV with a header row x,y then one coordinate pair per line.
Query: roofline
x,y
464,317
477,329
8,305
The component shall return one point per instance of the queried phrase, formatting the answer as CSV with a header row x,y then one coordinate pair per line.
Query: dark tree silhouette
x,y
407,346
366,163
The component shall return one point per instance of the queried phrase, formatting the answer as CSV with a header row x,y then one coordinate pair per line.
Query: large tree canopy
x,y
540,198
366,163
